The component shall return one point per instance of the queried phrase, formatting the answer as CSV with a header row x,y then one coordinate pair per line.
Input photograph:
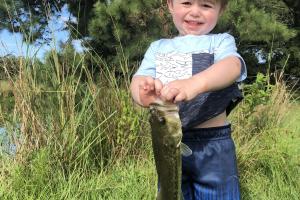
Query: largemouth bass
x,y
167,148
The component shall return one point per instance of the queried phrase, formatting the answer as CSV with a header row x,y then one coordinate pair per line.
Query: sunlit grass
x,y
79,135
268,146
88,141
132,179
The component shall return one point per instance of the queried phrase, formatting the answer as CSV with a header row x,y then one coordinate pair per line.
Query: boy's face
x,y
196,17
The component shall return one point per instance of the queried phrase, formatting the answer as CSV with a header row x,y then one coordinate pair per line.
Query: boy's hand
x,y
149,90
179,90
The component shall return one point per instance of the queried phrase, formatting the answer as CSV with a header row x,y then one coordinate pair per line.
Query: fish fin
x,y
185,150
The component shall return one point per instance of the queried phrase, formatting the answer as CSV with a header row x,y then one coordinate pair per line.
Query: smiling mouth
x,y
193,23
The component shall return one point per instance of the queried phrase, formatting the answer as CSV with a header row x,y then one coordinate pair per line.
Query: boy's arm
x,y
218,76
145,90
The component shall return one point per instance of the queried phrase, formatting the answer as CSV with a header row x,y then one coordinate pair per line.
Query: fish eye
x,y
152,110
162,120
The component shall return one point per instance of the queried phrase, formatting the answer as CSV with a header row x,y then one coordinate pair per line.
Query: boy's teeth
x,y
193,22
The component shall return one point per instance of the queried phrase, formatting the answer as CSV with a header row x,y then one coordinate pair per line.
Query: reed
x,y
268,165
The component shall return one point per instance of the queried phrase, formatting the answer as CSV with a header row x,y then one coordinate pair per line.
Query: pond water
x,y
6,145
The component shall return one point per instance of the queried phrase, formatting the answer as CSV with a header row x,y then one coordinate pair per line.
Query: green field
x,y
135,178
81,137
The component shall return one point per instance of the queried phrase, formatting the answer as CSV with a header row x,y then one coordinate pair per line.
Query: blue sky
x,y
12,43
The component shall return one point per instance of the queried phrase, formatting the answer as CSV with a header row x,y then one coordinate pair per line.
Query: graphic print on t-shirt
x,y
175,66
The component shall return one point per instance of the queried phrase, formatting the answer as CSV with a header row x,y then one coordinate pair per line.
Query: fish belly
x,y
166,137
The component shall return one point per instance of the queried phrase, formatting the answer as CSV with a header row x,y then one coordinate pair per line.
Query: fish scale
x,y
166,139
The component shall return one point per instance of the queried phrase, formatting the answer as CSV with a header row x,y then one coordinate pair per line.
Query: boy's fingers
x,y
167,91
142,84
158,86
150,82
147,83
171,94
163,92
180,97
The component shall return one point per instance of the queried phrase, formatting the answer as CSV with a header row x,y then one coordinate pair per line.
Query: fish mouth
x,y
164,111
164,107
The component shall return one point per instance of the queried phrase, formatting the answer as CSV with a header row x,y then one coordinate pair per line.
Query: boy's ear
x,y
222,11
170,5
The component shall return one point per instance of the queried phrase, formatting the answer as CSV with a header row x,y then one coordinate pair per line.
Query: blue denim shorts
x,y
210,173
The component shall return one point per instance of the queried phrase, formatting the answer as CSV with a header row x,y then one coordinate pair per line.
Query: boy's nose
x,y
195,11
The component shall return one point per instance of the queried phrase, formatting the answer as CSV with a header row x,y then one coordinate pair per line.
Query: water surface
x,y
6,145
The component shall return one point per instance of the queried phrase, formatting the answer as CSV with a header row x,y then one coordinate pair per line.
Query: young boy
x,y
199,71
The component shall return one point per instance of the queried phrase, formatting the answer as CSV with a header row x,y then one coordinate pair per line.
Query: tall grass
x,y
67,128
79,136
268,150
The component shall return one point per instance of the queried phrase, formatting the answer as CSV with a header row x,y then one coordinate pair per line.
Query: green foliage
x,y
264,28
266,144
76,161
59,105
129,24
265,104
258,93
257,21
28,17
75,134
129,123
81,138
260,27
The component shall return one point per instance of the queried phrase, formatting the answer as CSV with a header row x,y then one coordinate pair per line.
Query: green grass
x,y
79,136
292,119
136,178
133,179
273,171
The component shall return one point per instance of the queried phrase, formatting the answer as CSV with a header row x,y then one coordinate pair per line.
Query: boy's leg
x,y
187,188
211,171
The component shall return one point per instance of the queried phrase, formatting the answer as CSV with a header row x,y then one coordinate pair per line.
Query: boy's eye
x,y
207,5
186,3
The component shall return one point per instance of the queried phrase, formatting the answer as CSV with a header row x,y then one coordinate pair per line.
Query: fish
x,y
166,135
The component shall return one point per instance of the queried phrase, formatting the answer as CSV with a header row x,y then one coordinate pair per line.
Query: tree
x,y
29,17
293,45
264,30
125,28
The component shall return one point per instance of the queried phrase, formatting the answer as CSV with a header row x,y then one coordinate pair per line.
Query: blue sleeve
x,y
226,47
147,67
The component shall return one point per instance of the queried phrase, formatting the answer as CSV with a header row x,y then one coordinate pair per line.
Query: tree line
x,y
267,32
